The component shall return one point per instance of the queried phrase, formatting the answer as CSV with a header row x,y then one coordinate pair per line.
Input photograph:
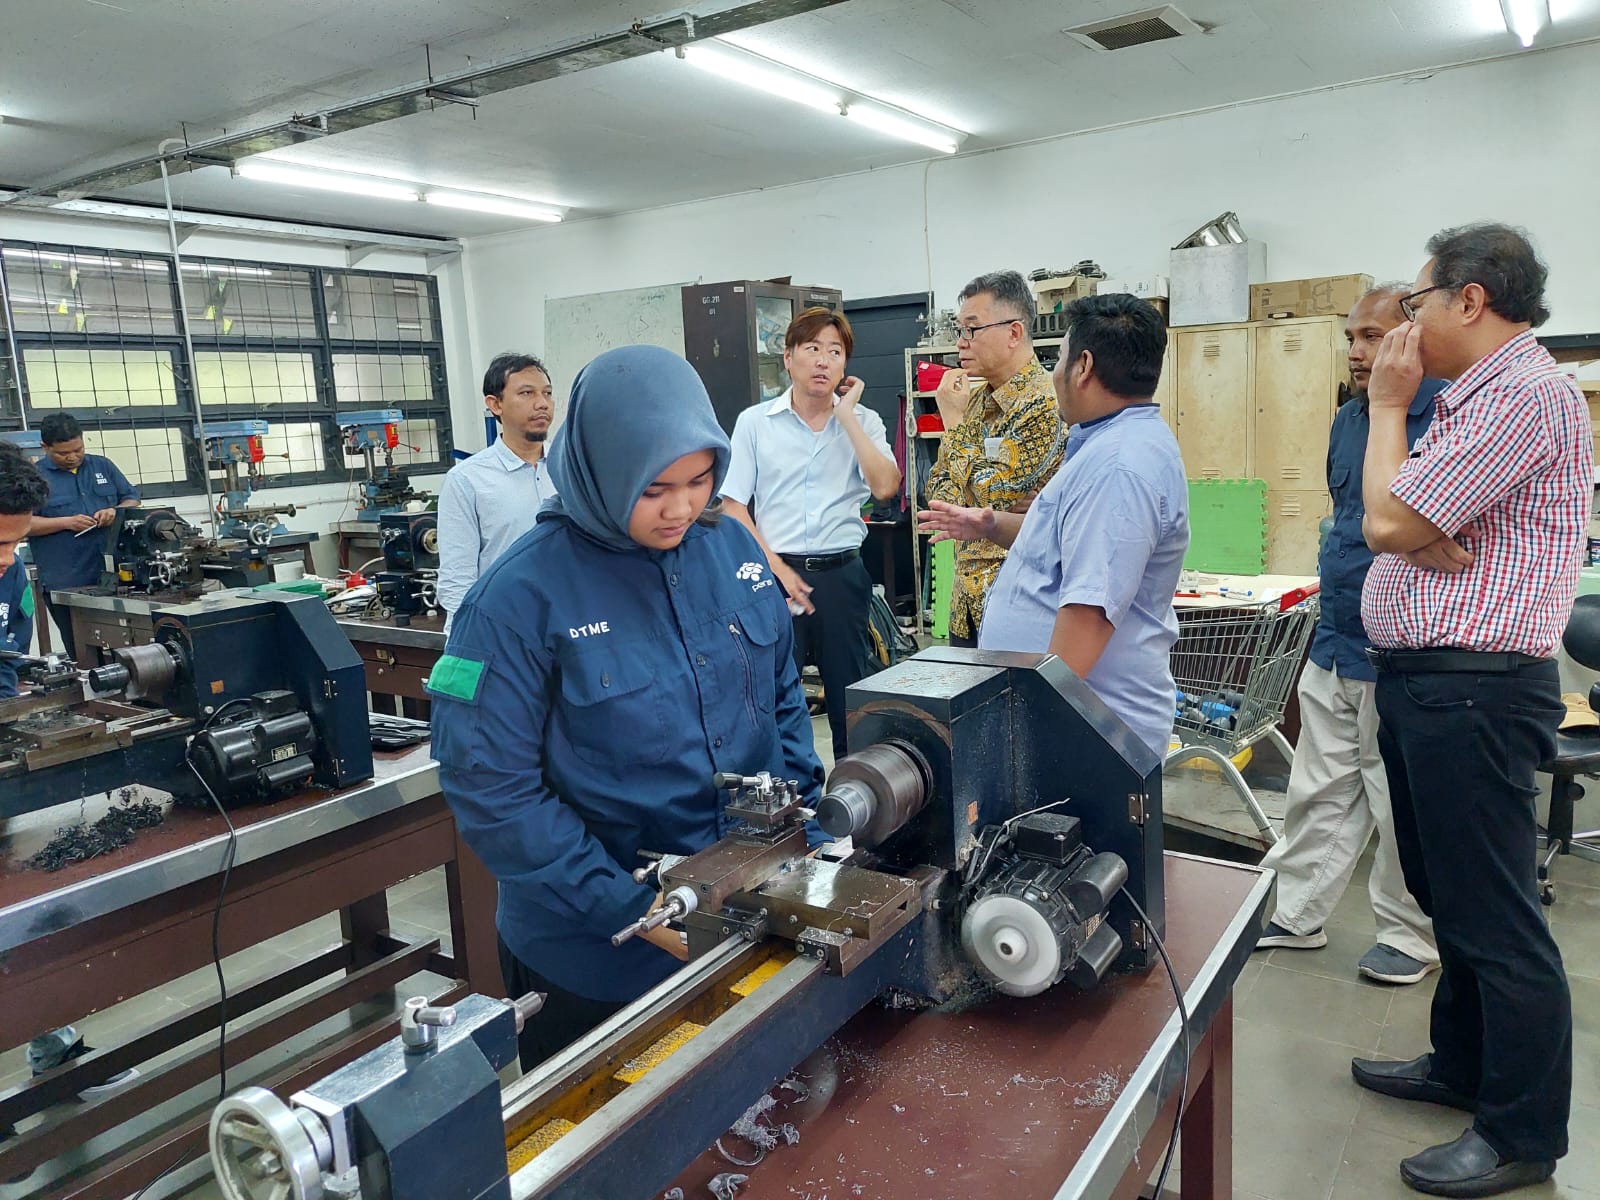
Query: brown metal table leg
x,y
1207,1152
365,925
473,896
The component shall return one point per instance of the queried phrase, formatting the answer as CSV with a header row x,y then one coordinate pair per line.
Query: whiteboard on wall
x,y
577,328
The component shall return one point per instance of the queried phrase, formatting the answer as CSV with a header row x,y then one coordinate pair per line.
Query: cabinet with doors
x,y
733,336
1255,401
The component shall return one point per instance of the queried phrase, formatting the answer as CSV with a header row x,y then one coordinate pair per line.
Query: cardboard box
x,y
1211,284
1148,287
1326,296
1055,294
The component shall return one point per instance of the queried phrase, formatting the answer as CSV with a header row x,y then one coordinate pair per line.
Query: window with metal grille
x,y
96,333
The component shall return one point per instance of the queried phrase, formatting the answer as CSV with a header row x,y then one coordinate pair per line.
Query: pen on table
x,y
1237,592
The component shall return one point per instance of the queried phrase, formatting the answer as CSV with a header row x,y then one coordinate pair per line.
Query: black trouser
x,y
1460,750
62,615
957,641
835,637
565,1017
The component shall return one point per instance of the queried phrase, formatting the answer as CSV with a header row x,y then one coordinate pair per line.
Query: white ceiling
x,y
87,83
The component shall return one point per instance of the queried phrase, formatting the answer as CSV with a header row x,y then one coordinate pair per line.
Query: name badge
x,y
994,449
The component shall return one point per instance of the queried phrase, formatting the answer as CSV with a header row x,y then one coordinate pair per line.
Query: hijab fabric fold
x,y
634,412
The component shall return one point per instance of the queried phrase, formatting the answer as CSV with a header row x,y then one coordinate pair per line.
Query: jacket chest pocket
x,y
753,634
610,712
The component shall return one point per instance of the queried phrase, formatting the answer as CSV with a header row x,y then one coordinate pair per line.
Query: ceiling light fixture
x,y
328,181
746,67
1526,19
897,126
764,75
502,206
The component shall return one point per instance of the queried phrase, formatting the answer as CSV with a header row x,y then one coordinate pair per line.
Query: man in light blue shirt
x,y
1094,563
805,463
492,498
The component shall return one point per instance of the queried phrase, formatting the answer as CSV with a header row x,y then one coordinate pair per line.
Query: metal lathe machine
x,y
1004,834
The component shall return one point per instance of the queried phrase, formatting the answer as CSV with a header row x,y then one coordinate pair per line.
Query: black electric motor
x,y
264,752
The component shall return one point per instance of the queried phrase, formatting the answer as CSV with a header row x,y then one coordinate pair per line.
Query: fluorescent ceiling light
x,y
746,67
502,206
906,130
764,75
1527,19
329,181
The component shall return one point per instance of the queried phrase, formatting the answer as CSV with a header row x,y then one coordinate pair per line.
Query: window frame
x,y
16,408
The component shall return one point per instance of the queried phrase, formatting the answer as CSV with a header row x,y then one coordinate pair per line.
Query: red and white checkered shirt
x,y
1507,469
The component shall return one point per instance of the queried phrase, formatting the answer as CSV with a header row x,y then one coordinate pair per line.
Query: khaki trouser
x,y
1338,794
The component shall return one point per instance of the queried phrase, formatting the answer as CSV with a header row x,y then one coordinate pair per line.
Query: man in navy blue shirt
x,y
85,492
1338,791
21,492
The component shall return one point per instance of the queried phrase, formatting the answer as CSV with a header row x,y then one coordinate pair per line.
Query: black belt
x,y
1445,661
821,562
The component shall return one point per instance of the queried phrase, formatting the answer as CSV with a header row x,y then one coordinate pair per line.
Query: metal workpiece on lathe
x,y
679,902
873,792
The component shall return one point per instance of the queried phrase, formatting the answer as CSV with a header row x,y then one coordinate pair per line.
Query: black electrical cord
x,y
229,854
1183,1021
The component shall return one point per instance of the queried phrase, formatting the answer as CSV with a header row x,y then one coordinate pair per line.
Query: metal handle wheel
x,y
261,1149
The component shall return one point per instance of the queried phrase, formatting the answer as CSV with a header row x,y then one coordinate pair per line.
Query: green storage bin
x,y
944,579
1227,526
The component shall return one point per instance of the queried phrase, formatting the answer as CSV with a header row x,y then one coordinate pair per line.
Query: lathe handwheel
x,y
261,1150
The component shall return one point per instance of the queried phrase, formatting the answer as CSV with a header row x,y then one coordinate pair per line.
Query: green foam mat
x,y
1227,526
944,578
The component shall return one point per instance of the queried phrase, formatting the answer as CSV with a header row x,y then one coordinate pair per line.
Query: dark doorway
x,y
885,327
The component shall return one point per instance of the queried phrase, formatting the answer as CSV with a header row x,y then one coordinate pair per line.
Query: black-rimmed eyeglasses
x,y
1408,307
965,333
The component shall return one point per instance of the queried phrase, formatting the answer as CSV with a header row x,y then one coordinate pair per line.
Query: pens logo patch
x,y
749,571
101,479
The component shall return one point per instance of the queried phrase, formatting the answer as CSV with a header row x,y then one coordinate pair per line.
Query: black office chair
x,y
1577,752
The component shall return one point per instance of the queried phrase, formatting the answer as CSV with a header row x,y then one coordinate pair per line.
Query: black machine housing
x,y
409,583
1000,735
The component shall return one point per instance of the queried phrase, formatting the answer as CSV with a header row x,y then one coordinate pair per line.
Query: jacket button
x,y
674,580
605,680
699,660
717,743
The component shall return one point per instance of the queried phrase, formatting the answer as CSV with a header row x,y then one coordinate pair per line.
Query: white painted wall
x,y
1348,180
320,504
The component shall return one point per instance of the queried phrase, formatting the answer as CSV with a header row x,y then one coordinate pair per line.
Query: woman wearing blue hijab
x,y
623,651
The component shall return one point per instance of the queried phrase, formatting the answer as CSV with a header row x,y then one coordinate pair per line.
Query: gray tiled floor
x,y
1302,1129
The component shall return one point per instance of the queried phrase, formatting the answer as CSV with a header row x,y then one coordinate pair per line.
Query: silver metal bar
x,y
671,993
188,344
11,346
593,1135
563,59
1107,1156
76,903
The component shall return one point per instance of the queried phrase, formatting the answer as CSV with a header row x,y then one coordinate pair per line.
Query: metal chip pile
x,y
74,843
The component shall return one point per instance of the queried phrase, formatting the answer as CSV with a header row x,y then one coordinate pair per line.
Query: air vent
x,y
1135,29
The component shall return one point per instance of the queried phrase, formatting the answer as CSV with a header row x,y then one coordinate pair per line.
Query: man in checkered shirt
x,y
1478,532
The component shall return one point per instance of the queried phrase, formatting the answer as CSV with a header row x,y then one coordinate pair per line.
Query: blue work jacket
x,y
16,622
64,559
585,699
1340,642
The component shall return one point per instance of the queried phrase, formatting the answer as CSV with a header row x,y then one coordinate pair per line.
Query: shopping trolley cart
x,y
1233,668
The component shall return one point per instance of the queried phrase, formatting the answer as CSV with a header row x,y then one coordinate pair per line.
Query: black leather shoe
x,y
1469,1166
1408,1081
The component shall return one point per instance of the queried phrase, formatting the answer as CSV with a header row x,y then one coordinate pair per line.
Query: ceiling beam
x,y
464,87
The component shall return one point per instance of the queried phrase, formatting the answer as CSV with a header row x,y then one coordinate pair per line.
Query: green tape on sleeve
x,y
27,602
457,678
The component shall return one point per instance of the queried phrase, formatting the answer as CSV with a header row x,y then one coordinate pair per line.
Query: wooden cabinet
x,y
733,335
1255,401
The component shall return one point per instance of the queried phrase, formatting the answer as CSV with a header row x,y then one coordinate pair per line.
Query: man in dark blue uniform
x,y
85,492
1338,790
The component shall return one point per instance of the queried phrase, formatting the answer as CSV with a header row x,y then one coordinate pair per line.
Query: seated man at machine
x,y
1095,562
85,492
492,498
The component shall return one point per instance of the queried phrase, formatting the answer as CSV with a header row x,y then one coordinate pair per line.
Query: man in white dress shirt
x,y
805,463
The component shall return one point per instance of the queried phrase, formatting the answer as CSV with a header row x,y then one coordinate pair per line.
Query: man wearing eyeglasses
x,y
1003,438
1478,533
